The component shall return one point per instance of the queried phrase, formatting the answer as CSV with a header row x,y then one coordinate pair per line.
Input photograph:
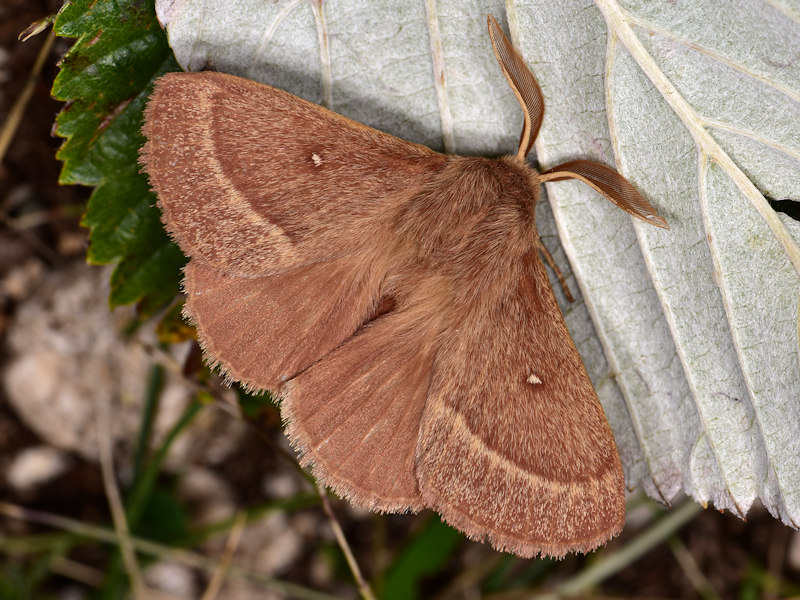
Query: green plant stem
x,y
152,397
144,485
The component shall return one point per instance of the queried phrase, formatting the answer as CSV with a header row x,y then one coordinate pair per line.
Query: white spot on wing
x,y
533,379
316,158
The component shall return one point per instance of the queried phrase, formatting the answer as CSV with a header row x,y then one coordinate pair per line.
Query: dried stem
x,y
14,117
363,586
77,571
692,570
227,557
103,423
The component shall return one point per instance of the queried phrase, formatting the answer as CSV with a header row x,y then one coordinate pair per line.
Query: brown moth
x,y
394,298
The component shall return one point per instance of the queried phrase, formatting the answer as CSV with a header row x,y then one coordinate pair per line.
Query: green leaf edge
x,y
106,79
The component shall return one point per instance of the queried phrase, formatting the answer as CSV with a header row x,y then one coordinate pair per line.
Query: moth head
x,y
600,177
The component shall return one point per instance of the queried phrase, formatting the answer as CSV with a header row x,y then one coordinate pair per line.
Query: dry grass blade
x,y
363,586
14,117
692,570
77,571
227,557
103,420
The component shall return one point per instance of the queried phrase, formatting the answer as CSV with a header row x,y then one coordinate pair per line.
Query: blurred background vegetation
x,y
127,470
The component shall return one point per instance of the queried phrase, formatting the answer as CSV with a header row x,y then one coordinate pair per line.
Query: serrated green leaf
x,y
106,79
